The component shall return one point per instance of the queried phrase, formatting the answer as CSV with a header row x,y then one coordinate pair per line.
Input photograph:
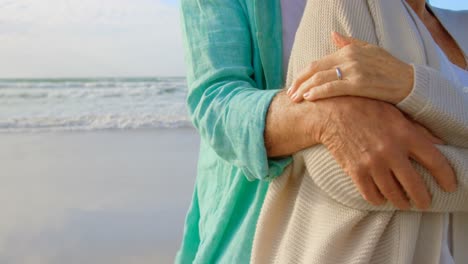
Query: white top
x,y
292,11
318,213
462,75
446,255
446,252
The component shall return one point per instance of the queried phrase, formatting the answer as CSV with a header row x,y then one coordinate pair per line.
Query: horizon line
x,y
90,77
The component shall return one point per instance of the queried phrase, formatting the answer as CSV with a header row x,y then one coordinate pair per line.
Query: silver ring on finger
x,y
339,74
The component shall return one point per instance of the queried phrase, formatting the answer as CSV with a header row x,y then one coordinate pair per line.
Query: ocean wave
x,y
41,93
92,104
91,122
92,83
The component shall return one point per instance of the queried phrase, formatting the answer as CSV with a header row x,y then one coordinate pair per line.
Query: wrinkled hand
x,y
367,71
373,142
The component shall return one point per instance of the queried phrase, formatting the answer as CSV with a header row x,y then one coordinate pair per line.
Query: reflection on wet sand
x,y
100,197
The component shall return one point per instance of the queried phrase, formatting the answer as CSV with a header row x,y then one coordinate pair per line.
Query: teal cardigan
x,y
233,52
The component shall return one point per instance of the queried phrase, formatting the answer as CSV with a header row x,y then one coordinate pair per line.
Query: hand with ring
x,y
356,69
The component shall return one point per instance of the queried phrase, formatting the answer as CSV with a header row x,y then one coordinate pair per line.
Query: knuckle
x,y
352,47
327,87
317,78
359,175
349,55
354,66
360,77
368,161
302,89
295,82
383,149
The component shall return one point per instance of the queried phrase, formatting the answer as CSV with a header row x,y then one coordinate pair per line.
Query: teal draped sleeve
x,y
229,94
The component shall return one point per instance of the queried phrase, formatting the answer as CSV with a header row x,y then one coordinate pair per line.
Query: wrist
x,y
291,127
317,122
408,82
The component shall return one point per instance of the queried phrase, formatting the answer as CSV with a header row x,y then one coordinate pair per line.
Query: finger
x,y
428,135
390,188
316,80
332,89
339,40
303,76
413,183
342,41
424,152
368,189
326,63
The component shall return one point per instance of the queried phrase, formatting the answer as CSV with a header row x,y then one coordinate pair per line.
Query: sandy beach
x,y
95,197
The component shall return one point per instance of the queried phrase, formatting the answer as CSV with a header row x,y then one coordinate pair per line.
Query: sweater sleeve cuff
x,y
414,103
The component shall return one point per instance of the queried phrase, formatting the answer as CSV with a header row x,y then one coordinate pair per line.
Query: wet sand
x,y
95,197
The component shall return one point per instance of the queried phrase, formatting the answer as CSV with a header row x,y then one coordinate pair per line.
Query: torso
x,y
454,53
446,253
462,75
291,13
445,41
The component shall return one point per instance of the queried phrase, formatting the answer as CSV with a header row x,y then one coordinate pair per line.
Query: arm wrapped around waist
x,y
327,174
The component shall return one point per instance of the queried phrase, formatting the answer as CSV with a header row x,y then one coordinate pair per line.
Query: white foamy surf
x,y
92,104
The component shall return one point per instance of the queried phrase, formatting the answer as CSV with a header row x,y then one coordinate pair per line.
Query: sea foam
x,y
92,104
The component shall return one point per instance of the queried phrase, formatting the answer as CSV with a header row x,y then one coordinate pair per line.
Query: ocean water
x,y
92,104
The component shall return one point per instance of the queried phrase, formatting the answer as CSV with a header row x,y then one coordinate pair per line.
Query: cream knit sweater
x,y
313,213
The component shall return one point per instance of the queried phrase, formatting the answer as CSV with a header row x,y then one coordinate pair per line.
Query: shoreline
x,y
97,131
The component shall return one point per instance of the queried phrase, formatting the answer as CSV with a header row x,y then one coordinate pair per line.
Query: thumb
x,y
342,41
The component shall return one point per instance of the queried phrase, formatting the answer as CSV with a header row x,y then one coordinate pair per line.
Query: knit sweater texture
x,y
313,213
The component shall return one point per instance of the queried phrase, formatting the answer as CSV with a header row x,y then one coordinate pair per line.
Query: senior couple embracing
x,y
332,131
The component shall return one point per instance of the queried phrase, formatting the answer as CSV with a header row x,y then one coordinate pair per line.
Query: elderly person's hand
x,y
378,157
357,68
374,143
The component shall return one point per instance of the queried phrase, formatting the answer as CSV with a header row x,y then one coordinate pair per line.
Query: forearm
x,y
439,104
292,127
226,105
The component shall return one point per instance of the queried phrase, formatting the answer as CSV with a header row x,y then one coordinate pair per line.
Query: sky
x,y
451,4
89,38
